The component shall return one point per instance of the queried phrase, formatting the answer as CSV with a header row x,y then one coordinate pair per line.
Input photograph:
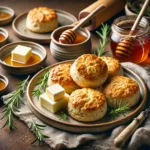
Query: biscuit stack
x,y
85,77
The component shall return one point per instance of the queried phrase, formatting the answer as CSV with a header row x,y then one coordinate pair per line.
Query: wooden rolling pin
x,y
112,7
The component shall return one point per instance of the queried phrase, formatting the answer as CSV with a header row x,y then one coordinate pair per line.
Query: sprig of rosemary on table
x,y
41,84
37,132
121,109
13,103
63,115
105,30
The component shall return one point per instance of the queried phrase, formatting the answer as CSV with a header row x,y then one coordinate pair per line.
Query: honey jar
x,y
138,49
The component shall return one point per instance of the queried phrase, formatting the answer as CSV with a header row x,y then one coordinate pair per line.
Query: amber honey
x,y
139,47
33,60
2,84
79,38
2,37
4,15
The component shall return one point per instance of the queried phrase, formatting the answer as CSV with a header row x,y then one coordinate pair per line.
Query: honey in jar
x,y
139,48
2,84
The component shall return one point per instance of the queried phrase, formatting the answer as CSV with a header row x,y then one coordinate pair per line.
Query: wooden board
x,y
72,125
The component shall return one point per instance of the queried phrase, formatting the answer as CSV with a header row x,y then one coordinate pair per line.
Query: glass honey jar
x,y
137,48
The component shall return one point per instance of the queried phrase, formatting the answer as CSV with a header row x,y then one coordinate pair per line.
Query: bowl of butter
x,y
22,57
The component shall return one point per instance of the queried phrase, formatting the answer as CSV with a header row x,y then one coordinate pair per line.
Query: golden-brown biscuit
x,y
61,74
121,90
87,105
89,70
42,20
114,66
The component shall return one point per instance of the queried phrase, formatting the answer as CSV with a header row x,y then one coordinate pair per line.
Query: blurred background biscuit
x,y
42,20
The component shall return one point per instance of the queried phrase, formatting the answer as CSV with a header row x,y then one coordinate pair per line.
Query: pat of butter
x,y
53,106
55,92
21,54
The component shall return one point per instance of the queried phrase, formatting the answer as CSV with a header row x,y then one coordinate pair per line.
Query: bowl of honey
x,y
81,45
3,37
22,57
3,84
6,15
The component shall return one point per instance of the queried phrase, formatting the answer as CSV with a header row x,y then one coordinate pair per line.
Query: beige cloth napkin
x,y
100,141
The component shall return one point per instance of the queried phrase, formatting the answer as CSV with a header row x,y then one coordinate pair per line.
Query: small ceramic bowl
x,y
4,33
5,81
8,19
135,4
69,51
21,70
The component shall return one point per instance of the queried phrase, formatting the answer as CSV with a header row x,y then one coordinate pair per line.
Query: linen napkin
x,y
101,141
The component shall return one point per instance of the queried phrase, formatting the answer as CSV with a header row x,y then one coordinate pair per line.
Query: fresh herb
x,y
64,115
105,30
137,9
121,109
41,84
37,132
13,103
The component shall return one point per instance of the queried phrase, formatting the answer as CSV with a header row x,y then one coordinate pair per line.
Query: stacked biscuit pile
x,y
83,79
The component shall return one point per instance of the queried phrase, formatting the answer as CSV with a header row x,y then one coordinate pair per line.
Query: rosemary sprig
x,y
64,115
37,132
121,109
41,84
105,30
12,104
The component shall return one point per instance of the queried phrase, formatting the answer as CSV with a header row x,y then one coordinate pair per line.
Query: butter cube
x,y
53,106
55,92
21,54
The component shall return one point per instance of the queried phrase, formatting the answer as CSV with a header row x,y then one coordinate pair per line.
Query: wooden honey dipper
x,y
123,49
68,36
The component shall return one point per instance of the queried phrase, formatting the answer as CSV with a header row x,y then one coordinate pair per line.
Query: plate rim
x,y
45,40
130,116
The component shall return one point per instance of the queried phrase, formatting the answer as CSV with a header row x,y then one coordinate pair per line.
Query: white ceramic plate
x,y
75,126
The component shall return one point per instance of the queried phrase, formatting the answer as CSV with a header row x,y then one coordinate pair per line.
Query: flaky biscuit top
x,y
42,14
113,64
61,74
120,87
87,99
90,66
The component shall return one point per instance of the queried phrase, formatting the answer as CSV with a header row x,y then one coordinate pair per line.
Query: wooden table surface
x,y
21,138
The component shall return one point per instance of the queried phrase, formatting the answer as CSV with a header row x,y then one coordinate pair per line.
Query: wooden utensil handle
x,y
128,131
87,18
139,16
